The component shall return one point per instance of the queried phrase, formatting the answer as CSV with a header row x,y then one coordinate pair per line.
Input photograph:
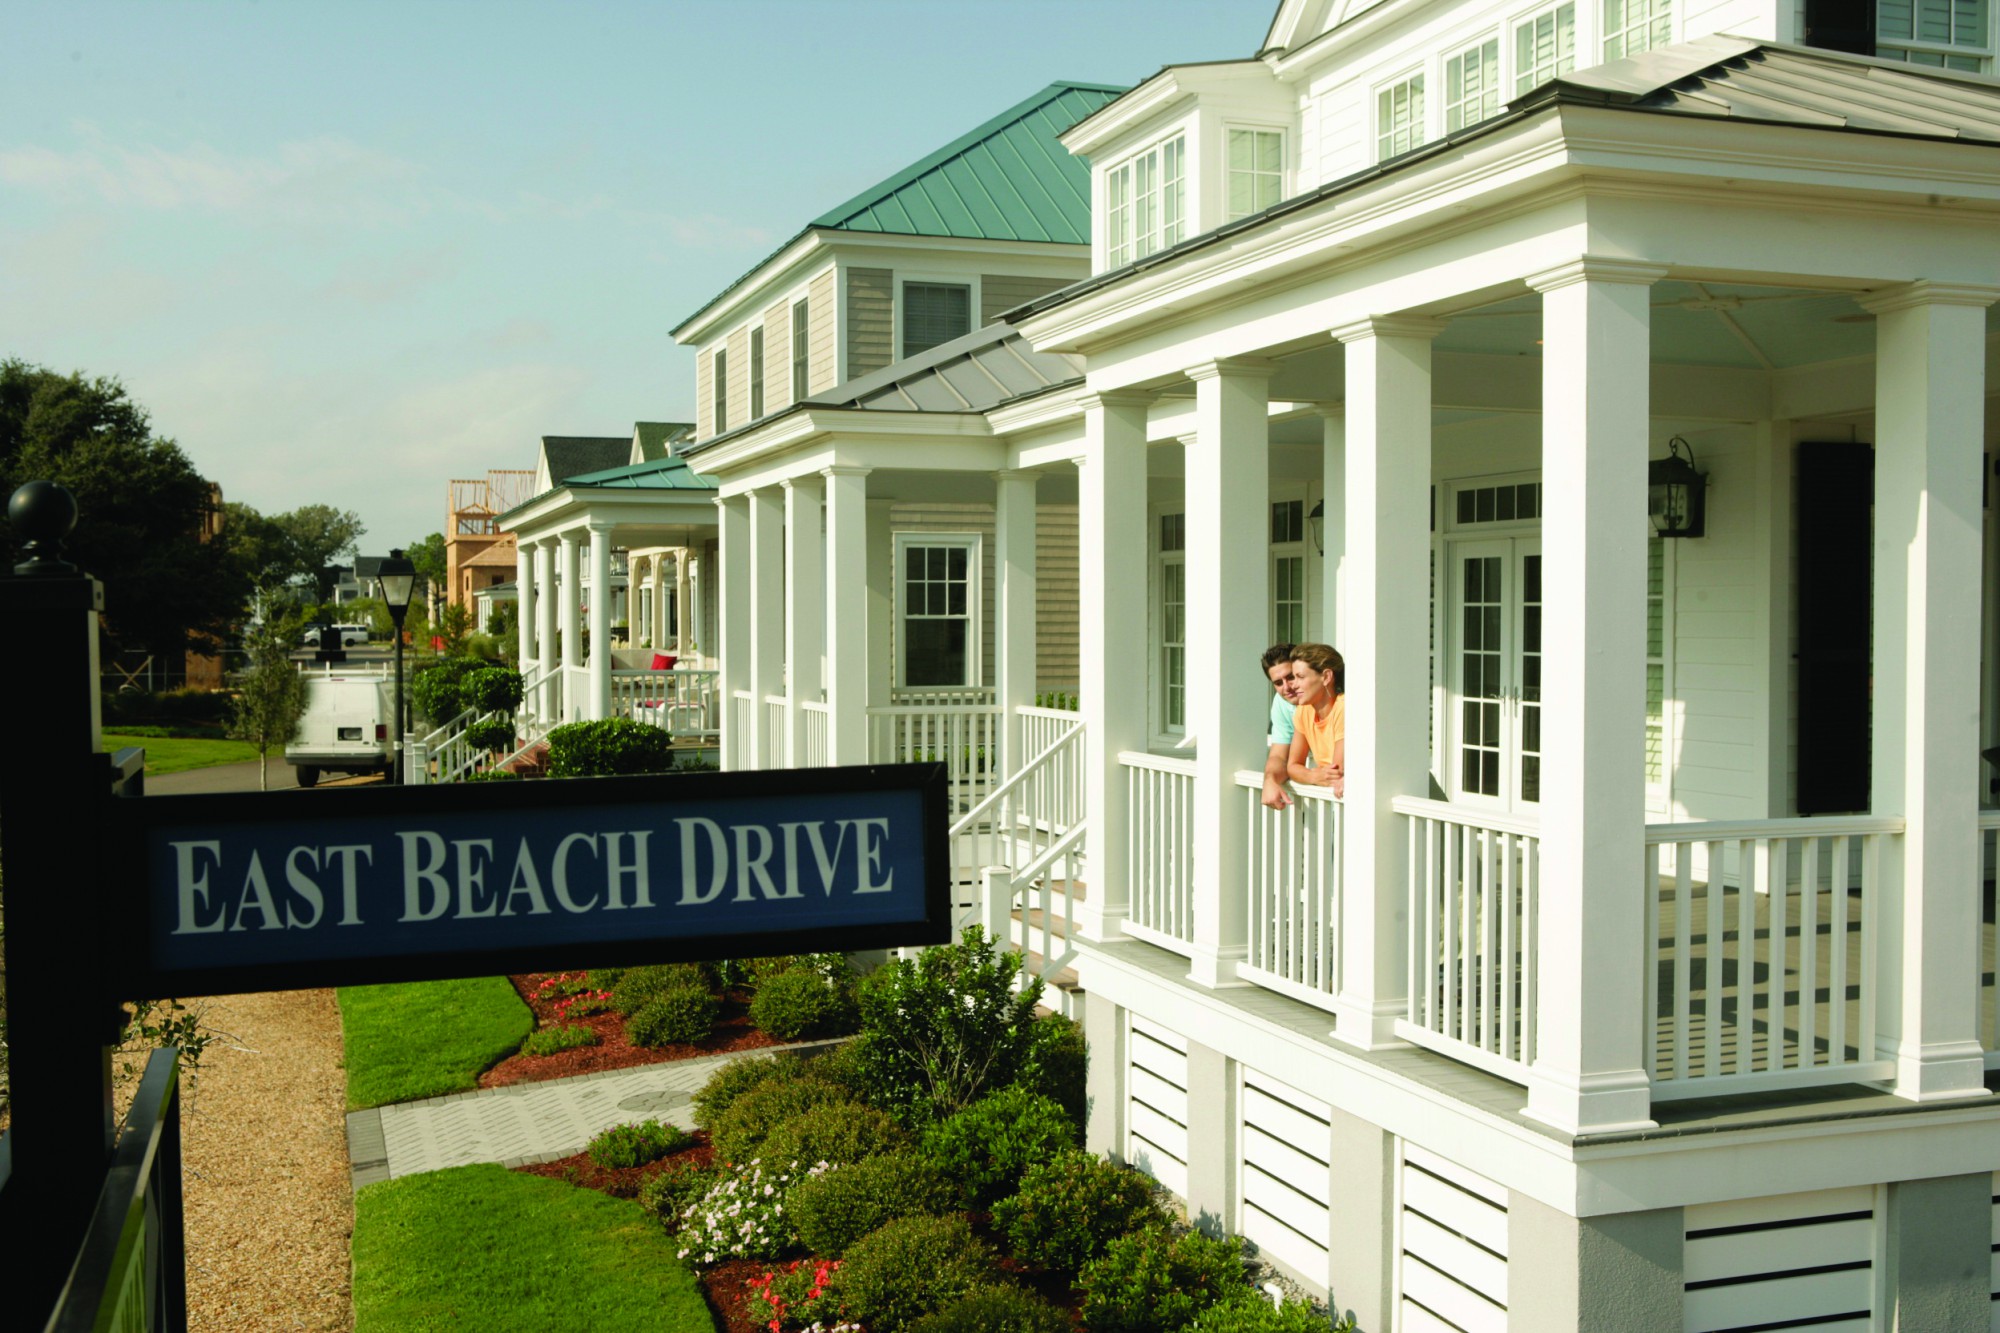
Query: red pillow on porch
x,y
664,661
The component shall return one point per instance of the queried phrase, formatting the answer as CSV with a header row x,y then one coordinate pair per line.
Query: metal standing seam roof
x,y
975,373
664,474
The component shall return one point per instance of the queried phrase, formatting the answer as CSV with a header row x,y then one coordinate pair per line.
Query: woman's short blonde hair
x,y
1322,657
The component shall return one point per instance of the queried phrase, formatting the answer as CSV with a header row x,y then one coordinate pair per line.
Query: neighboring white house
x,y
1676,1011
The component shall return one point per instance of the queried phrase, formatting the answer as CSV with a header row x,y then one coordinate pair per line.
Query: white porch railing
x,y
964,738
444,755
740,731
1026,838
682,702
1763,961
818,734
575,695
1160,861
776,720
1473,898
955,696
1041,727
1294,887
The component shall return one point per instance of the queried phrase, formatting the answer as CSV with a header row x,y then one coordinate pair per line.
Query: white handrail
x,y
1008,787
1156,763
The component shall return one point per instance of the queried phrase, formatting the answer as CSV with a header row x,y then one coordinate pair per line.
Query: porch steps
x,y
532,762
1064,991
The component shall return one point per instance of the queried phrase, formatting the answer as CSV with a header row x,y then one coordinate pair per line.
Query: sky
x,y
344,251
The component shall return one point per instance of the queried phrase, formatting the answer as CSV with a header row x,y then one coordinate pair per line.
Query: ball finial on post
x,y
42,513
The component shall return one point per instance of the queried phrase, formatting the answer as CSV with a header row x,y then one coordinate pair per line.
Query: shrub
x,y
996,1309
739,1133
439,687
989,1145
635,1145
1057,1066
743,1215
800,1004
669,1192
636,987
940,1030
728,1083
836,1132
492,775
492,690
493,733
1071,1207
682,1014
1255,1314
549,1041
834,1210
1154,1282
905,1270
608,748
603,978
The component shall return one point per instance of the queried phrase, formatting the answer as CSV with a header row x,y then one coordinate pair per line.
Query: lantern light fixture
x,y
1677,495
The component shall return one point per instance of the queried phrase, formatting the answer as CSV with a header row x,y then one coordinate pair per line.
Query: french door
x,y
1493,659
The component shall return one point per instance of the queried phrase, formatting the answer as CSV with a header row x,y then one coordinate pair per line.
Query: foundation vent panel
x,y
1156,1112
1452,1259
1803,1261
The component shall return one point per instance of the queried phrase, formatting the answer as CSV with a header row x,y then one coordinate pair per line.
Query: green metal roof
x,y
666,474
1007,180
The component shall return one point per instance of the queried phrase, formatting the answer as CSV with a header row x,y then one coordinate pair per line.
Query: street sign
x,y
215,894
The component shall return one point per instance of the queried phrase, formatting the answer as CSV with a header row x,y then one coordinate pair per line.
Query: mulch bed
x,y
612,1051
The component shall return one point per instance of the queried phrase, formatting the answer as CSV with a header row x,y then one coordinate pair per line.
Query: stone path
x,y
524,1123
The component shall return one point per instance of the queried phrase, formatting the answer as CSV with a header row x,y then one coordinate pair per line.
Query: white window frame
x,y
1162,734
969,281
1492,80
1419,122
975,607
800,314
1300,550
1230,171
1642,27
1123,239
1520,79
1970,58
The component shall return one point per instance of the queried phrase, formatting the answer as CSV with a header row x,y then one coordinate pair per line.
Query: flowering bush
x,y
788,1297
743,1216
635,1145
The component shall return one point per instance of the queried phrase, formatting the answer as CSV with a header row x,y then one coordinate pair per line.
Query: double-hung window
x,y
1288,571
1544,47
1256,172
1944,34
1399,117
801,366
1146,202
756,373
934,313
1632,26
938,613
1472,85
1172,561
721,391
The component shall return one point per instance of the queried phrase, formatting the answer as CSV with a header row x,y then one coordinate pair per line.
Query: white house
x,y
1676,1010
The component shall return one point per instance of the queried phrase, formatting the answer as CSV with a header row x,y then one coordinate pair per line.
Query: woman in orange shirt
x,y
1320,726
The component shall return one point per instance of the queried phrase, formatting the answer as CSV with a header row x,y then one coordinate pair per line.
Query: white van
x,y
348,726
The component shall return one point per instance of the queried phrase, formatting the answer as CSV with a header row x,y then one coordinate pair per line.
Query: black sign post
x,y
112,898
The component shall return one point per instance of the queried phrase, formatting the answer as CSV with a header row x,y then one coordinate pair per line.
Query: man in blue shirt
x,y
1277,662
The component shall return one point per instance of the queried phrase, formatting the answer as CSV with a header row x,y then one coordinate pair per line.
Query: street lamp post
x,y
398,577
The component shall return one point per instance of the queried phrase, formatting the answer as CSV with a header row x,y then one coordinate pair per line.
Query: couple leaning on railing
x,y
1308,733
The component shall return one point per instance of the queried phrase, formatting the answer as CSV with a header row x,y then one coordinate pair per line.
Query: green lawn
x,y
482,1247
174,754
426,1038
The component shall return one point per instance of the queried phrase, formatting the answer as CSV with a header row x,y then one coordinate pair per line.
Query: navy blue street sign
x,y
376,884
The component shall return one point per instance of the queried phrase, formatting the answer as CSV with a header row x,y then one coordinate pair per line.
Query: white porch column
x,y
659,600
600,622
1589,1070
1111,636
1385,639
1228,621
732,645
569,593
1333,522
847,637
684,597
549,706
1013,607
1929,432
767,619
880,561
805,609
524,584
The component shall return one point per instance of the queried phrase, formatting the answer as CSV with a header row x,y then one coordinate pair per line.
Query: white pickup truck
x,y
348,726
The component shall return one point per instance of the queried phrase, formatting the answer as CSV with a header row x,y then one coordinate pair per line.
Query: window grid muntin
x,y
801,351
1255,178
1634,26
1173,640
1941,34
1544,47
1146,202
756,373
1481,663
1472,85
934,313
1399,117
940,604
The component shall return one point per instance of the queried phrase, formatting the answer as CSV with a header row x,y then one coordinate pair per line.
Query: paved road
x,y
236,777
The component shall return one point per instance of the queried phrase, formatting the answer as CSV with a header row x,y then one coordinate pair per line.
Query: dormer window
x,y
1399,117
1256,171
1947,34
1472,85
1632,26
1146,202
1544,47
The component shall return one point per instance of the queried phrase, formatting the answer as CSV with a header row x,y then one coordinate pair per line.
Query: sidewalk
x,y
527,1122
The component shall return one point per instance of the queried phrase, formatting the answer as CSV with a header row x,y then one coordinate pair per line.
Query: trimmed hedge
x,y
990,1145
910,1268
835,1210
799,1004
615,746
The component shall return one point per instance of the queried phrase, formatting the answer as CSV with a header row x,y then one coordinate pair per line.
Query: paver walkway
x,y
524,1123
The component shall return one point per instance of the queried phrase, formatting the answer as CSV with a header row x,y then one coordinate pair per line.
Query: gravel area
x,y
269,1204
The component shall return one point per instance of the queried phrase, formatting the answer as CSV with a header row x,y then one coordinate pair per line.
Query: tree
x,y
272,698
145,515
317,536
428,556
453,624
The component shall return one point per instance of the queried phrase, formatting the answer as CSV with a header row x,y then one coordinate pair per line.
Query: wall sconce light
x,y
1317,520
1677,495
